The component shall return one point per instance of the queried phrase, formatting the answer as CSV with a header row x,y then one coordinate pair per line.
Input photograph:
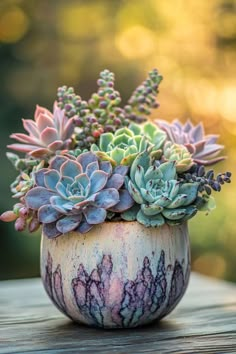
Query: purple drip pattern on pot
x,y
132,302
54,285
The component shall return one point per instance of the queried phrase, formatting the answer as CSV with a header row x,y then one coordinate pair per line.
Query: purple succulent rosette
x,y
203,148
76,194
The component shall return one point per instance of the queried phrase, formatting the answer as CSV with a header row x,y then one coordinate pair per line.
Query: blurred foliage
x,y
45,44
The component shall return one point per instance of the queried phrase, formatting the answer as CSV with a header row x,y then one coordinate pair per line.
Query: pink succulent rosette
x,y
47,133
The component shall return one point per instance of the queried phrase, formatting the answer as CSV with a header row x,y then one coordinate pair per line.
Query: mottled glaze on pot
x,y
118,275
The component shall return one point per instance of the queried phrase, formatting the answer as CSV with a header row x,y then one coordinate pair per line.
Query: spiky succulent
x,y
123,146
75,194
160,197
179,154
47,134
203,148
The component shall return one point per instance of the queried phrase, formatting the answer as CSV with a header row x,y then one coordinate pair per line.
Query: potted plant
x,y
113,193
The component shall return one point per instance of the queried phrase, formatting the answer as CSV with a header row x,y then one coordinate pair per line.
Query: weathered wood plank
x,y
204,322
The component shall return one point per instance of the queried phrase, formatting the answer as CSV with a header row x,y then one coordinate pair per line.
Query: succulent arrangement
x,y
94,161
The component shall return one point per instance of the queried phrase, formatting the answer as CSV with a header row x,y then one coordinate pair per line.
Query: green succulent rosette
x,y
122,147
179,154
160,198
153,134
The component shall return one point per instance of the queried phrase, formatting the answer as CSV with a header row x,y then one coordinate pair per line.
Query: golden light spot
x,y
227,103
202,96
81,21
14,24
135,42
211,264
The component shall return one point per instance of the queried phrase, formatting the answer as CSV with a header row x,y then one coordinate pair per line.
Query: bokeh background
x,y
44,44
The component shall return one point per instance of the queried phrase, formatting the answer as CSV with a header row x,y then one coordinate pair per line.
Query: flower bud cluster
x,y
23,217
144,98
100,114
207,180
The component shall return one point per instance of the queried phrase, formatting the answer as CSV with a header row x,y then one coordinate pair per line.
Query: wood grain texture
x,y
204,322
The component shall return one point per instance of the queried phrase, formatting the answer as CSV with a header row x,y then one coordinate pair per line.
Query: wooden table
x,y
204,322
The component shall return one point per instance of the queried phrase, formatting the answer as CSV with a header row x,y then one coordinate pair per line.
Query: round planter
x,y
118,275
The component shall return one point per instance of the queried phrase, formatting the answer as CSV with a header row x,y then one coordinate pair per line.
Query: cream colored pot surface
x,y
120,274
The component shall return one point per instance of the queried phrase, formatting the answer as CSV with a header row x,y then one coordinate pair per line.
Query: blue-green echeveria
x,y
159,197
122,147
76,193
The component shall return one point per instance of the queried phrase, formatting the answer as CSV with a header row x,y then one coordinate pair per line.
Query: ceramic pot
x,y
119,274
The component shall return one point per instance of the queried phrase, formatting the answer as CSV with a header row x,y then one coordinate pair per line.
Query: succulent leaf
x,y
121,170
107,198
117,154
105,140
115,181
125,202
91,167
98,180
83,227
190,190
131,213
71,169
151,209
174,214
50,230
134,192
135,128
38,197
168,171
150,221
139,176
94,215
47,214
86,158
178,201
107,167
68,223
56,162
143,160
51,178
